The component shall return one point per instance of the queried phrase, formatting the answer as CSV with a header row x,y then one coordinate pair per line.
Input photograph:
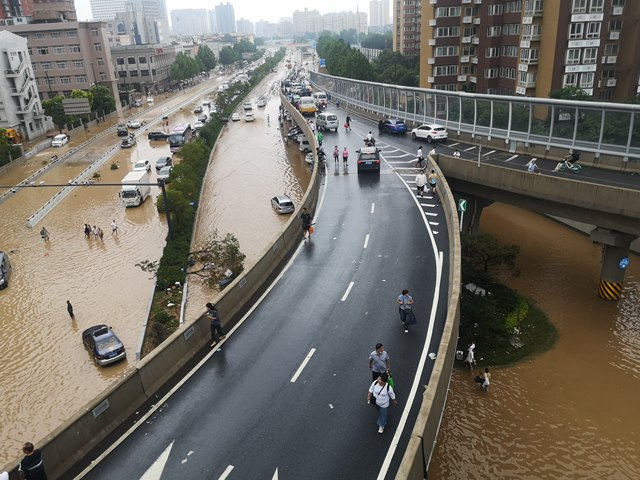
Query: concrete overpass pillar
x,y
471,218
615,259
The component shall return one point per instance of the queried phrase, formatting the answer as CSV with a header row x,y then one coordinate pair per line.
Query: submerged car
x,y
142,165
104,344
122,130
155,135
128,142
134,124
430,133
164,173
249,117
163,162
282,204
262,102
5,270
198,125
197,110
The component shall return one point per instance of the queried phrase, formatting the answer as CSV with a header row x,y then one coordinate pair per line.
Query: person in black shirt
x,y
31,467
306,222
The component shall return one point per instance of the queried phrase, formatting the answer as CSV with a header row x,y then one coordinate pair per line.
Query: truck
x,y
133,193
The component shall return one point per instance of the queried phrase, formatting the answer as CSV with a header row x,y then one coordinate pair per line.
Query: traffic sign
x,y
462,205
323,63
624,263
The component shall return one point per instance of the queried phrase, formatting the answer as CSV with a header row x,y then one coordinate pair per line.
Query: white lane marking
x,y
435,232
226,472
275,475
198,366
470,148
154,472
512,157
435,224
430,205
488,153
429,214
396,156
366,241
396,162
302,365
373,208
346,294
453,144
416,379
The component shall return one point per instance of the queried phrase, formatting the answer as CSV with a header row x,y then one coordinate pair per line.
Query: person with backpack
x,y
381,394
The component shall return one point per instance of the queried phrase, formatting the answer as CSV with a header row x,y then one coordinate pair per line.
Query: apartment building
x,y
144,68
68,56
225,18
531,47
407,26
188,22
20,106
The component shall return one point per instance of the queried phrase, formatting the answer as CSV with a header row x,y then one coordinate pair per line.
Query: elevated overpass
x,y
607,135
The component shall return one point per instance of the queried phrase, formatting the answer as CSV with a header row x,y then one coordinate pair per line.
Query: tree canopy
x,y
484,254
184,67
206,57
101,99
53,107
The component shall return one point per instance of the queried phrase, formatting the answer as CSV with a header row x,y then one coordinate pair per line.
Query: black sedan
x,y
104,345
197,110
157,135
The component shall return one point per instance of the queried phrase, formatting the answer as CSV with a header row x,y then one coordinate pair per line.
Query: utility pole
x,y
46,74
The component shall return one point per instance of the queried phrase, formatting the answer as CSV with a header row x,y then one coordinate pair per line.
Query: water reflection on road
x,y
570,412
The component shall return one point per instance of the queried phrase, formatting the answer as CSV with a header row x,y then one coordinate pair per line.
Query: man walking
x,y
31,467
432,155
420,157
216,326
70,310
421,181
44,233
305,216
379,362
114,227
405,303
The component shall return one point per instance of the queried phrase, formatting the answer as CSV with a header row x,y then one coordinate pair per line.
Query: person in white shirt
x,y
421,181
532,166
383,394
420,157
456,153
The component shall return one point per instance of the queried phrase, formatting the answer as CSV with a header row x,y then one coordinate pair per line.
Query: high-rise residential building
x,y
379,13
190,21
213,23
225,18
244,27
137,25
406,26
521,48
307,21
107,9
20,105
338,22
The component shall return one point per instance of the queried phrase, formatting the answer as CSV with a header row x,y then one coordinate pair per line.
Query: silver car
x,y
282,204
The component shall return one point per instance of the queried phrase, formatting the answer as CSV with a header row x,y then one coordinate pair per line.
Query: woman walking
x,y
345,156
383,393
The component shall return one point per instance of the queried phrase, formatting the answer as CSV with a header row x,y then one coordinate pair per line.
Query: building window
x,y
122,74
605,95
447,12
97,47
575,31
573,56
131,60
579,6
508,72
59,50
611,49
445,70
133,73
38,36
447,51
490,73
590,55
72,34
65,80
494,31
74,48
46,66
43,51
511,29
529,55
597,6
144,73
448,32
593,29
50,81
586,80
103,76
615,25
100,61
492,52
513,7
495,9
94,32
570,79
81,79
119,61
62,65
142,59
56,34
78,64
617,3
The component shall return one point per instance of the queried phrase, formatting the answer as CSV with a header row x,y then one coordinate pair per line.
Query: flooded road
x,y
46,375
567,413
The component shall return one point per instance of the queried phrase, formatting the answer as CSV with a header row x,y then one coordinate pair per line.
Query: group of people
x,y
336,155
431,155
422,180
97,233
484,379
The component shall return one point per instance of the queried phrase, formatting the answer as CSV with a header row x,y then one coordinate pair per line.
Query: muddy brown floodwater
x,y
570,412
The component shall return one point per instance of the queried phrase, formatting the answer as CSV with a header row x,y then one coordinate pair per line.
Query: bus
x,y
180,135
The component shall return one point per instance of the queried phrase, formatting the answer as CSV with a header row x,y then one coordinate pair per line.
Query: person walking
x,y
456,153
114,227
484,379
405,305
420,157
347,123
31,467
95,232
471,359
345,156
532,166
383,393
305,216
336,154
433,180
44,233
70,310
421,182
87,230
379,362
216,326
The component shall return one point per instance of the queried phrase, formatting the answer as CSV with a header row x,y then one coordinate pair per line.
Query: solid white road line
x,y
512,157
366,241
302,365
488,153
226,472
453,144
346,294
373,208
470,148
154,472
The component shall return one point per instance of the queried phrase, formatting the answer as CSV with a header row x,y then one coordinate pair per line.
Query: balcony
x,y
607,82
521,91
614,35
478,2
529,61
528,83
476,21
610,59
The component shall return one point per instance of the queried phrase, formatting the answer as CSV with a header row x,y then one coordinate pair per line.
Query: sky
x,y
254,10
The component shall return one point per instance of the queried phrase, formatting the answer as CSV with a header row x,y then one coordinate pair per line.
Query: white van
x,y
327,121
320,98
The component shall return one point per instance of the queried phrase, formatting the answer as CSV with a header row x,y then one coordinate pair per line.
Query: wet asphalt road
x,y
241,414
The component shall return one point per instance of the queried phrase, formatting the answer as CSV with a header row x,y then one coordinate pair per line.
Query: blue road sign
x,y
624,263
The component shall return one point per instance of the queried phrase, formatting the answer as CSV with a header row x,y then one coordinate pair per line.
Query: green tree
x,y
379,41
570,93
53,108
101,100
244,46
484,254
215,256
228,56
206,57
184,67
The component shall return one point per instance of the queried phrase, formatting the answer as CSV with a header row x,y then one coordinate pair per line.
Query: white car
x,y
149,99
142,165
235,117
247,106
249,117
59,140
164,173
198,125
261,103
206,102
431,133
133,124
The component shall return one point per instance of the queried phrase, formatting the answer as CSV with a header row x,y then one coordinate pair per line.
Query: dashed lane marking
x,y
302,365
512,157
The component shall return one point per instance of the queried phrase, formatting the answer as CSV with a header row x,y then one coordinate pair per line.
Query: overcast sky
x,y
254,10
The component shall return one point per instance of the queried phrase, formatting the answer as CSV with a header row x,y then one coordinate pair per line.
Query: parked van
x,y
327,121
305,146
307,106
321,98
5,270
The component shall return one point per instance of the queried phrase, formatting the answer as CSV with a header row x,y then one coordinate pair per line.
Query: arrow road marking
x,y
154,472
302,365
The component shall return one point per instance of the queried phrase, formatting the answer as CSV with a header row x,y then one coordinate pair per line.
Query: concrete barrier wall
x,y
416,458
97,419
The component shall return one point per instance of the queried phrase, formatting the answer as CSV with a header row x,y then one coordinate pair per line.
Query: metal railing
x,y
597,127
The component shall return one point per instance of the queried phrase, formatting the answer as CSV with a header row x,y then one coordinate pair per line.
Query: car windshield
x,y
107,344
139,165
129,193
